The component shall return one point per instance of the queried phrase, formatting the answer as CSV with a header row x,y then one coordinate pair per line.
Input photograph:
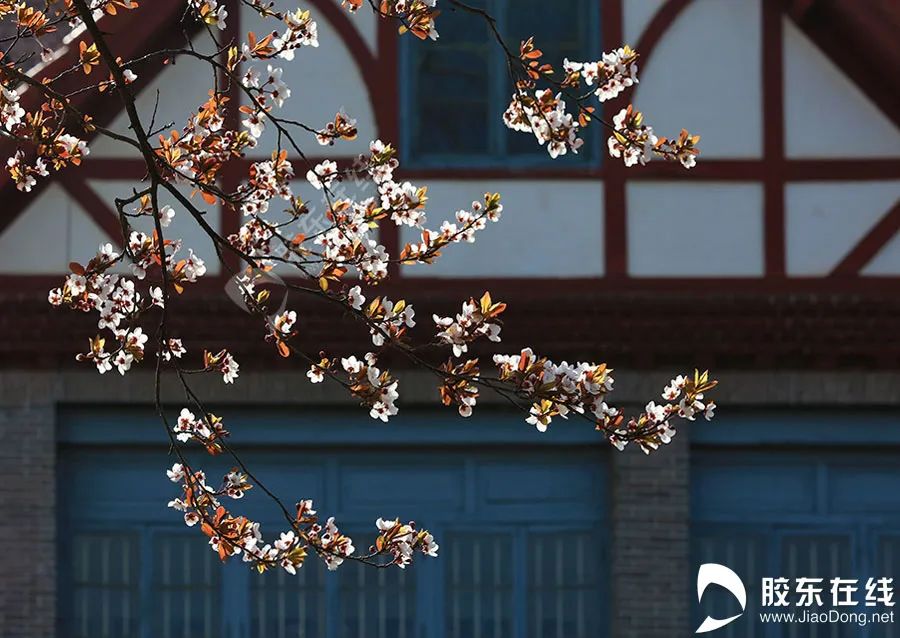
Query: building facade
x,y
775,262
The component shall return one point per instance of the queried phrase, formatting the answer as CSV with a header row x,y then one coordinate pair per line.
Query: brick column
x,y
27,506
651,547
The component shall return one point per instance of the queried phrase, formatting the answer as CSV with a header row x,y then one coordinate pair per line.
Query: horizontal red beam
x,y
459,287
725,170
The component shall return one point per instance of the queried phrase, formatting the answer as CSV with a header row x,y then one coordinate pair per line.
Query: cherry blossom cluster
x,y
268,180
477,319
196,155
280,331
380,163
388,321
120,305
562,389
144,208
11,112
48,130
143,250
632,140
254,238
343,127
635,141
92,288
237,535
376,389
207,430
129,348
210,12
62,151
233,535
300,31
174,349
401,540
268,89
543,111
347,243
414,16
613,73
556,389
468,222
223,362
684,398
459,386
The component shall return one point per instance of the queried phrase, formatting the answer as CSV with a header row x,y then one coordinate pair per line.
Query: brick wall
x,y
650,550
27,506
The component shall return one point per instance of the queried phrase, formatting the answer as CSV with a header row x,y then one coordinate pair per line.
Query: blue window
x,y
454,90
522,532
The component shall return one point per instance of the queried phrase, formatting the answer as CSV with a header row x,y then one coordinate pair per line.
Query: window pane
x,y
887,565
376,603
459,85
186,576
564,32
823,556
746,555
104,586
451,85
563,585
284,605
479,585
816,556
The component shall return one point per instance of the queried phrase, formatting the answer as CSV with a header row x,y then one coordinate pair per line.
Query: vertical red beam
x,y
234,171
773,138
615,226
387,113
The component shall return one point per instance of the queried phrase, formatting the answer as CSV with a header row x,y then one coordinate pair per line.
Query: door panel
x,y
376,603
284,605
748,555
104,575
563,585
479,585
500,563
186,586
796,514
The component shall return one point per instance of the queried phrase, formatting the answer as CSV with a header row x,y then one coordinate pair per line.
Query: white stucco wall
x,y
705,75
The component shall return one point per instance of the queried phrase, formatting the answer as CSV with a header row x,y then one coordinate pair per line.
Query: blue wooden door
x,y
521,530
820,513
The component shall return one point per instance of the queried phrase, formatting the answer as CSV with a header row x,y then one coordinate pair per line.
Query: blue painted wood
x,y
499,498
790,509
775,428
255,427
792,485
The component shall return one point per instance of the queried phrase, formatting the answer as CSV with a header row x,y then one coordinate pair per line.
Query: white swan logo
x,y
715,574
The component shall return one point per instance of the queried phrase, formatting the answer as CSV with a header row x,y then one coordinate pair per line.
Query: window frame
x,y
589,156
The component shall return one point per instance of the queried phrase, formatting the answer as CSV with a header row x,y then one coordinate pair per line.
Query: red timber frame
x,y
380,73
